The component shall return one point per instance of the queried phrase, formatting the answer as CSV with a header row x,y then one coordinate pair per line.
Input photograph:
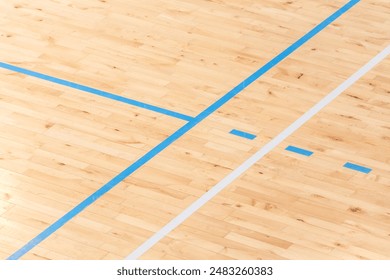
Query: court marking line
x,y
299,151
94,91
180,132
179,219
357,167
243,134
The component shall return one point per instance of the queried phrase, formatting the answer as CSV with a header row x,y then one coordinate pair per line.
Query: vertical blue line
x,y
180,132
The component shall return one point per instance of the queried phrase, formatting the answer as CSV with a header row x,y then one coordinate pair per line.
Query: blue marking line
x,y
180,132
357,167
240,133
299,151
95,91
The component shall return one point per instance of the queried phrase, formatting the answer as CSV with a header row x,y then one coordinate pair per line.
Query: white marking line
x,y
257,156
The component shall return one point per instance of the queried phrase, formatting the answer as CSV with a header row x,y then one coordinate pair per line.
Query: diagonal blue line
x,y
95,91
176,135
357,167
299,151
243,134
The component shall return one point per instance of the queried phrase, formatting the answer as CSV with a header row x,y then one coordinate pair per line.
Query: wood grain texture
x,y
58,145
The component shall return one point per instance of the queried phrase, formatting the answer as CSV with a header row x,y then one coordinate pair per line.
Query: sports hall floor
x,y
117,121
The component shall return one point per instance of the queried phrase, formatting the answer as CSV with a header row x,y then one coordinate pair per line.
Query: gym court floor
x,y
194,129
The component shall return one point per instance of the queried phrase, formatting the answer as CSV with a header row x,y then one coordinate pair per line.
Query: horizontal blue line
x,y
177,134
357,167
299,151
243,134
95,91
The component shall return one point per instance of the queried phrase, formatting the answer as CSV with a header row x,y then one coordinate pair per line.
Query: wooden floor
x,y
58,144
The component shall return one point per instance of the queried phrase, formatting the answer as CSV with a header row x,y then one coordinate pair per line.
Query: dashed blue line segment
x,y
180,132
96,91
299,151
243,134
357,167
